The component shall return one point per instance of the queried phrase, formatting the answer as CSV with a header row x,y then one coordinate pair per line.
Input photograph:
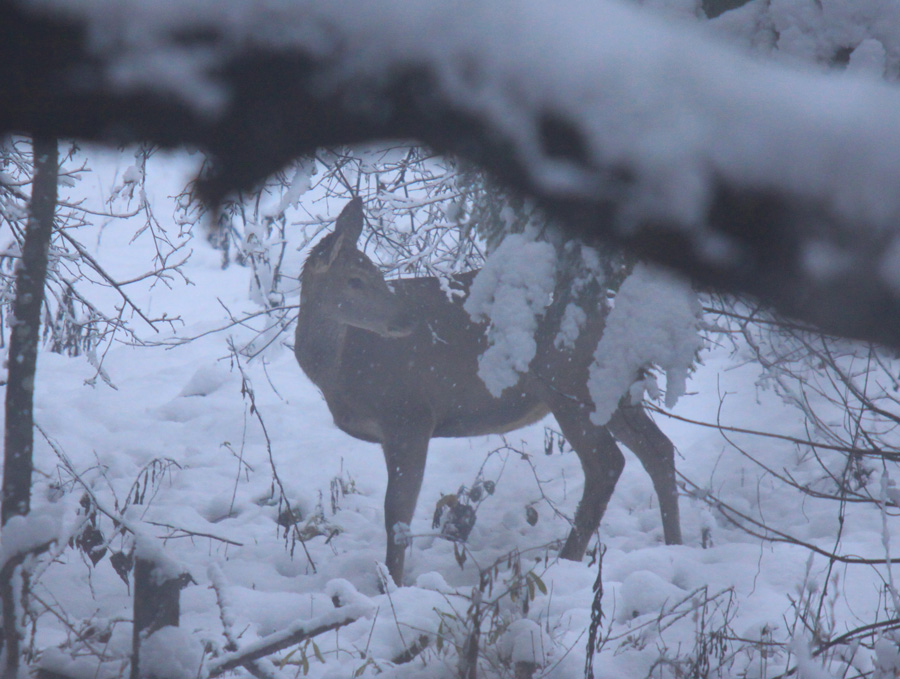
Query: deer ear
x,y
350,223
346,232
335,250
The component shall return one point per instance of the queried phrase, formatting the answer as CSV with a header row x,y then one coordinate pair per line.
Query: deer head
x,y
345,286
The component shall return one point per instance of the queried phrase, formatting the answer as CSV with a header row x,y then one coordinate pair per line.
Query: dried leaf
x,y
122,563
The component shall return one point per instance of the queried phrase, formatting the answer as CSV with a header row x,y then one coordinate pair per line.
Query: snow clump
x,y
171,652
512,291
653,322
525,642
644,592
570,326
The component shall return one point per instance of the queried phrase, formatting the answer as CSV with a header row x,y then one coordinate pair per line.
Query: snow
x,y
206,380
300,184
662,97
165,568
58,661
680,107
644,592
132,175
23,535
171,652
887,658
814,31
524,641
869,57
512,291
433,581
573,320
352,612
183,402
654,322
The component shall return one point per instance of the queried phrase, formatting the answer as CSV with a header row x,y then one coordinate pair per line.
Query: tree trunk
x,y
156,605
25,332
23,344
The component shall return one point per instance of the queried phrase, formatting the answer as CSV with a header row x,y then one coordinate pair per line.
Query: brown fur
x,y
398,366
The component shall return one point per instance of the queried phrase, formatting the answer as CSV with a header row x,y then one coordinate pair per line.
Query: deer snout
x,y
401,326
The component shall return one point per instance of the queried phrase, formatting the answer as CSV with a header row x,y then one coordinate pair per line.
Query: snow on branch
x,y
654,322
291,636
626,126
511,292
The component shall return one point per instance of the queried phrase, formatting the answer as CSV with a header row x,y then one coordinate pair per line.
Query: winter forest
x,y
666,227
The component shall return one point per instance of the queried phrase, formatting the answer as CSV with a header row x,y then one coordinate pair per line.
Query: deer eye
x,y
355,283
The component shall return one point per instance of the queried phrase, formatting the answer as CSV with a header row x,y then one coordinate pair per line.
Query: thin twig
x,y
109,279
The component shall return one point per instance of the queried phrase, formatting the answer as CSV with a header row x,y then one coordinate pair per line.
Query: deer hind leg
x,y
602,462
404,453
633,427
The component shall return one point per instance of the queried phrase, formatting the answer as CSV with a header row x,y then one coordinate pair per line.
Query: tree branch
x,y
279,641
256,89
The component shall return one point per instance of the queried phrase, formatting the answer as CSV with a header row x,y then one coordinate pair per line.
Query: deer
x,y
397,365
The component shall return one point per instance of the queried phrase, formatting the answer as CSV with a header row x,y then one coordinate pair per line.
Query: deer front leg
x,y
633,427
602,462
404,453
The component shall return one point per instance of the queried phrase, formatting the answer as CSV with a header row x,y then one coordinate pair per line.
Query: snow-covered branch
x,y
626,126
291,636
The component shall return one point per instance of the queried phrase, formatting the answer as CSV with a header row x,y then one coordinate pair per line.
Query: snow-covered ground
x,y
213,509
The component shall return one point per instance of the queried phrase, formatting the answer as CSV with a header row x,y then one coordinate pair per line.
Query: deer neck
x,y
319,346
